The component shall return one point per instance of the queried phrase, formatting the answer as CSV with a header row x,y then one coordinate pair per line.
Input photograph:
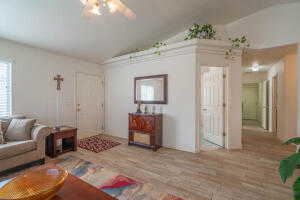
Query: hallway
x,y
253,125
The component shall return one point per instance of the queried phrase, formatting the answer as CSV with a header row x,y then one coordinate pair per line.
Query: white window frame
x,y
9,97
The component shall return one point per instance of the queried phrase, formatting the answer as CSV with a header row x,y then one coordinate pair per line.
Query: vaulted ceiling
x,y
57,25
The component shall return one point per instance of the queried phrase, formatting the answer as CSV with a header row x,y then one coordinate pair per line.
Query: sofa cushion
x,y
15,148
6,121
19,129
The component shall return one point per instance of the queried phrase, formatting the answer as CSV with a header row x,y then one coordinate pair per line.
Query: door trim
x,y
76,98
275,105
267,105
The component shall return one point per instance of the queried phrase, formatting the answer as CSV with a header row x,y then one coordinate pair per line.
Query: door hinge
x,y
102,127
224,75
224,134
102,105
224,105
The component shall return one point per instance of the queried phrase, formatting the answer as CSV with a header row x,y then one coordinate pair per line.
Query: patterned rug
x,y
113,183
96,144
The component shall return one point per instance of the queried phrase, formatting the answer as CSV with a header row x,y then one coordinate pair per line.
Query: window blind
x,y
5,89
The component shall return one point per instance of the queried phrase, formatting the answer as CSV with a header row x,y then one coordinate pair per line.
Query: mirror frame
x,y
165,89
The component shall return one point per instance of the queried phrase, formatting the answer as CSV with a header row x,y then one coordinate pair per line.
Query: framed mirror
x,y
151,89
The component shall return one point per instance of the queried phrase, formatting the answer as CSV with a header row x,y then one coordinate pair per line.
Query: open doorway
x,y
270,92
255,105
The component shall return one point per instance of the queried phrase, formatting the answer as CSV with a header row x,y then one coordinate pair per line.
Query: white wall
x,y
274,26
182,62
34,90
254,77
179,114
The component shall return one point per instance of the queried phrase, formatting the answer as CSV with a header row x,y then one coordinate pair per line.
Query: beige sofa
x,y
16,155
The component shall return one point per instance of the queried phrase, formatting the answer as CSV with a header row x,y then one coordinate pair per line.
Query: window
x,y
5,89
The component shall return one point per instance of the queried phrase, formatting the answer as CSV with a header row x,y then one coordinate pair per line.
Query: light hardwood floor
x,y
250,174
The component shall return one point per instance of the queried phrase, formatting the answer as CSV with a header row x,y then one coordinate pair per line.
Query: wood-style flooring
x,y
250,174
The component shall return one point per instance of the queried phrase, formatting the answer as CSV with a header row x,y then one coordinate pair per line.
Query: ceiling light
x,y
93,7
112,6
255,67
95,10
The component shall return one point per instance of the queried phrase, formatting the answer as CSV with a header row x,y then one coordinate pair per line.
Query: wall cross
x,y
59,79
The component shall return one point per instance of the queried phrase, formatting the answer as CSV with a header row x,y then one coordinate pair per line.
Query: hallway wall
x,y
286,69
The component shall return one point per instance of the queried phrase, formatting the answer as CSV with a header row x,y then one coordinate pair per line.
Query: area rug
x,y
97,143
112,183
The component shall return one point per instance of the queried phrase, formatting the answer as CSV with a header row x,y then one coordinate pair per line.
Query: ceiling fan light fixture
x,y
95,9
112,6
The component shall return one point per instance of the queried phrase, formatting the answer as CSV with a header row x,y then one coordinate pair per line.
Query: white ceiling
x,y
266,58
56,25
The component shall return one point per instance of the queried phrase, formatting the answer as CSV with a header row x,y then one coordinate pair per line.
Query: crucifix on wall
x,y
59,79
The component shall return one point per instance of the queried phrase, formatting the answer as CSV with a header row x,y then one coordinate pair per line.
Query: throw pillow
x,y
19,129
6,121
2,141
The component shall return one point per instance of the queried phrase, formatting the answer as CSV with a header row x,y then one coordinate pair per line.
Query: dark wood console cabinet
x,y
145,130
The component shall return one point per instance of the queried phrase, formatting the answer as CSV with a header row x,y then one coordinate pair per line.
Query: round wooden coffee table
x,y
39,184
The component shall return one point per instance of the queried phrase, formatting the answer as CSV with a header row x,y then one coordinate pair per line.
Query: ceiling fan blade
x,y
123,9
84,2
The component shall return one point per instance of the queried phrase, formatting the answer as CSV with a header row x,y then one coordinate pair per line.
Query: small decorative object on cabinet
x,y
145,130
139,107
153,109
67,136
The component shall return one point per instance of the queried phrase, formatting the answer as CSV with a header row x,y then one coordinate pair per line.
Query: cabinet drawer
x,y
66,134
142,123
141,138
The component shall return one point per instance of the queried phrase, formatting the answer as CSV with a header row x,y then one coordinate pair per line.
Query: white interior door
x,y
212,104
90,103
250,102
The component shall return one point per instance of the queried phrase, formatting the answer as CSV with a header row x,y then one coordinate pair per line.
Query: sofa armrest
x,y
39,133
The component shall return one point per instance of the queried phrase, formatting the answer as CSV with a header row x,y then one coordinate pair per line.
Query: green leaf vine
x,y
205,31
237,43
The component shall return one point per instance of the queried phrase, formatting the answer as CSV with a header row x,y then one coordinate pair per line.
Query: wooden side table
x,y
68,135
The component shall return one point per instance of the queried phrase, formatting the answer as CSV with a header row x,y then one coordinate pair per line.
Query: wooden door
x,y
212,104
265,105
90,103
274,104
250,101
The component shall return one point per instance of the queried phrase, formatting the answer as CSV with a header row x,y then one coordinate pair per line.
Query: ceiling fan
x,y
92,7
